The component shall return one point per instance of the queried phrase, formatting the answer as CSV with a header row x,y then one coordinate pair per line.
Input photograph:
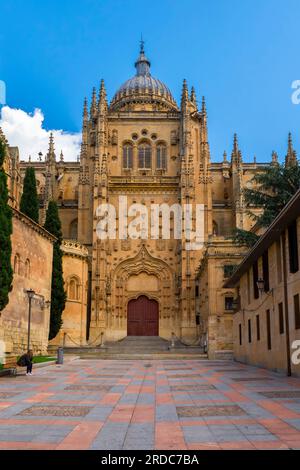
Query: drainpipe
x,y
286,304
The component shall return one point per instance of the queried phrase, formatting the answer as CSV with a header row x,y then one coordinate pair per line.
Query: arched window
x,y
27,269
73,288
17,264
161,157
74,230
127,157
145,156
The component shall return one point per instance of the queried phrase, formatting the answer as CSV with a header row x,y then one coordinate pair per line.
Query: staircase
x,y
136,347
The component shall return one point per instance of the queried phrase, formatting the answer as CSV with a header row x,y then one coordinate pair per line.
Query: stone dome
x,y
143,88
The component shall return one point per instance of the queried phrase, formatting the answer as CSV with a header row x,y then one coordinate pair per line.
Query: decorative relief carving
x,y
126,245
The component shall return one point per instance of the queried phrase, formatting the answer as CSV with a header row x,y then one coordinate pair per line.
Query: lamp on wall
x,y
45,304
261,285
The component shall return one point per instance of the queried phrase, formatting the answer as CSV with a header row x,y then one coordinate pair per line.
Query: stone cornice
x,y
33,225
142,116
74,249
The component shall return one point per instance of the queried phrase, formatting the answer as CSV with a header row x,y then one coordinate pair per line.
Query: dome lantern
x,y
143,89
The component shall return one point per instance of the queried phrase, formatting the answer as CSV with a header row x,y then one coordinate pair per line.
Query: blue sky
x,y
242,55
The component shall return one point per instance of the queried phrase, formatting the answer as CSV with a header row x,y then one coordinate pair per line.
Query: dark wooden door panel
x,y
143,317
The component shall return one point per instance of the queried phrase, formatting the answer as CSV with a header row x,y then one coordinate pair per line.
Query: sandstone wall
x,y
32,251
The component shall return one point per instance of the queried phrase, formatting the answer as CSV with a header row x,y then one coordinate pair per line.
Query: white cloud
x,y
25,130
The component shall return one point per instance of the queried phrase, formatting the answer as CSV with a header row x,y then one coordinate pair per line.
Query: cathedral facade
x,y
147,148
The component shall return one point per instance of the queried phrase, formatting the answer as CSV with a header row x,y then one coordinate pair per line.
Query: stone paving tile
x,y
111,437
130,405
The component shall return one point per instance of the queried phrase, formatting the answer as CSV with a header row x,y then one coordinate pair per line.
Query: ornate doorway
x,y
143,317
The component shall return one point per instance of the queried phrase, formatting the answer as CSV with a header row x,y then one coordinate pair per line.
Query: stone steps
x,y
147,357
139,348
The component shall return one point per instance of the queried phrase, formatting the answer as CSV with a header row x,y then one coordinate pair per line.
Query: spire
x,y
193,97
61,157
85,123
274,158
235,143
225,157
142,43
291,157
236,156
203,110
93,110
51,157
102,103
184,94
85,110
142,65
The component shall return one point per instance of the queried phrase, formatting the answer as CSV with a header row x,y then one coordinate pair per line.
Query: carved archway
x,y
141,266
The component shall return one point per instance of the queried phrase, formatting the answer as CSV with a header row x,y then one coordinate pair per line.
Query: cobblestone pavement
x,y
163,405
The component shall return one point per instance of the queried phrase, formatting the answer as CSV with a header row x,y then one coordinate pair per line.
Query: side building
x,y
32,252
267,325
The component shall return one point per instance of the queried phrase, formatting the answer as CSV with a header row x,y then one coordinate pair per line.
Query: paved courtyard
x,y
130,405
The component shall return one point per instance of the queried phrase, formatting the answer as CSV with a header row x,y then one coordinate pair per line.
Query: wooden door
x,y
143,317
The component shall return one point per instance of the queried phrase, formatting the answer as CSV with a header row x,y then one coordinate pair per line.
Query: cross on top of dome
x,y
142,64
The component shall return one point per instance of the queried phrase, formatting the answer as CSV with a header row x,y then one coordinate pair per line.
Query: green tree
x,y
272,190
58,295
6,272
30,202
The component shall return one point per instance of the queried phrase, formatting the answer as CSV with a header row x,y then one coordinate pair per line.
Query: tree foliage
x,y
58,295
272,189
6,271
30,202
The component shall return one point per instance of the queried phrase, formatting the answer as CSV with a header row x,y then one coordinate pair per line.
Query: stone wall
x,y
75,267
32,251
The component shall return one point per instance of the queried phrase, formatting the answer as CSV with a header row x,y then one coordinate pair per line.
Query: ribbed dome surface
x,y
143,87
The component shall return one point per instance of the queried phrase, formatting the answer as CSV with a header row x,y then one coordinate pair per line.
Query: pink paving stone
x,y
271,422
133,389
143,415
238,386
293,443
146,389
162,398
110,399
214,379
26,446
40,397
162,382
81,437
169,436
243,445
279,410
122,414
6,405
270,445
282,430
40,422
206,446
236,397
